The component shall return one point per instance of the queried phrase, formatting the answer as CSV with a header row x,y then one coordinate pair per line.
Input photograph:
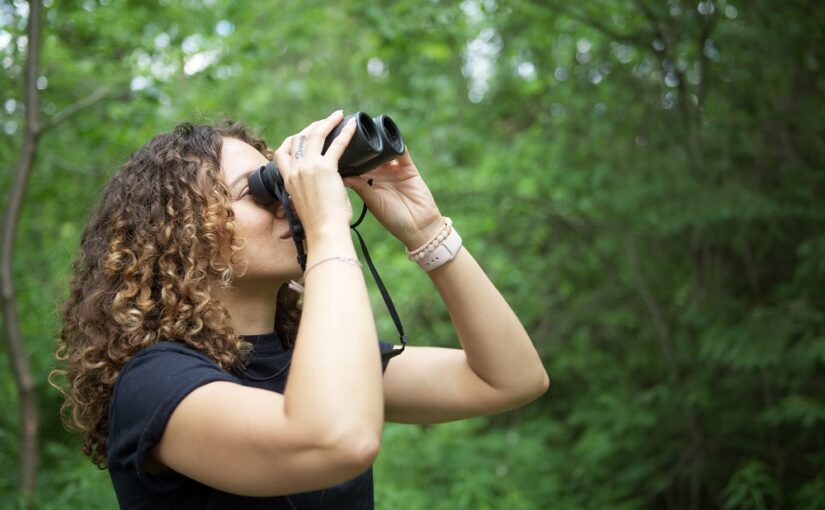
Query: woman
x,y
181,329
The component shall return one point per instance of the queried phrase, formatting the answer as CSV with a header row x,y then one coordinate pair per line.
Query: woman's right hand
x,y
312,180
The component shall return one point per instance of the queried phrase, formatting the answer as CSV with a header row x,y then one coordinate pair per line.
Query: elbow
x,y
545,383
356,450
519,396
536,389
363,450
541,381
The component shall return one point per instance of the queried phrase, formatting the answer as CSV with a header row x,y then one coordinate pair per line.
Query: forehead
x,y
238,159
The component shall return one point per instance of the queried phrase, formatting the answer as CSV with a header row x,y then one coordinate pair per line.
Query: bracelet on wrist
x,y
348,260
434,240
439,250
299,288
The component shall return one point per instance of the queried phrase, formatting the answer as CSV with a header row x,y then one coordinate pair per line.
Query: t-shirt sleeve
x,y
148,390
385,347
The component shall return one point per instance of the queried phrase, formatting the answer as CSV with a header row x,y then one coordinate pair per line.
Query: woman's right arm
x,y
240,440
326,427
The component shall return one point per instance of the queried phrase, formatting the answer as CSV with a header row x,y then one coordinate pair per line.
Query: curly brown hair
x,y
161,237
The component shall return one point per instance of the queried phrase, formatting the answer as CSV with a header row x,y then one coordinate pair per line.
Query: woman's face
x,y
269,249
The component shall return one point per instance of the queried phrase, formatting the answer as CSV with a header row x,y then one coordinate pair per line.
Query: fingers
x,y
309,143
298,141
336,149
317,132
285,144
282,158
297,146
356,183
361,184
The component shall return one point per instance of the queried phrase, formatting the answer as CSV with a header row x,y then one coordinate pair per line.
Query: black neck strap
x,y
298,238
384,294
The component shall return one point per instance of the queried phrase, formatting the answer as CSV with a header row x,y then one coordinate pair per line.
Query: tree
x,y
642,180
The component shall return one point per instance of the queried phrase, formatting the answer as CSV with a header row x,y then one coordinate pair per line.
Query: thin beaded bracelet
x,y
430,248
297,287
349,260
440,249
438,241
433,243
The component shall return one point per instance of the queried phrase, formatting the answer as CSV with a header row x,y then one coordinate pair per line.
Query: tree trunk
x,y
26,387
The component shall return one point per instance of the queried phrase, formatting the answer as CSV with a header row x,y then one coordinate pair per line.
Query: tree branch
x,y
593,23
704,35
77,106
653,308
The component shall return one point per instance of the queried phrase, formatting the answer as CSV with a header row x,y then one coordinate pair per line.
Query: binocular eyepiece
x,y
375,142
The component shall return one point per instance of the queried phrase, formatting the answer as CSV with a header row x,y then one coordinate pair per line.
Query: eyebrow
x,y
239,178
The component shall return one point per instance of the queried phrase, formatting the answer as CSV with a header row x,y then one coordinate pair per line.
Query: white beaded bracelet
x,y
443,253
439,250
435,240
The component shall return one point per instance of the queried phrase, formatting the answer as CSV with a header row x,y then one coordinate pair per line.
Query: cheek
x,y
251,221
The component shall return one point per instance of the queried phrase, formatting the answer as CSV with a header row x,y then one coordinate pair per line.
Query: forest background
x,y
643,180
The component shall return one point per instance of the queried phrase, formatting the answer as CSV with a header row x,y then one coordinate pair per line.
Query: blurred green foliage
x,y
642,180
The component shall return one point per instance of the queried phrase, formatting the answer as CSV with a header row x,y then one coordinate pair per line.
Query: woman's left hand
x,y
400,200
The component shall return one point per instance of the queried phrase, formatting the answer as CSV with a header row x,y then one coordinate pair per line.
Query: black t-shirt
x,y
149,388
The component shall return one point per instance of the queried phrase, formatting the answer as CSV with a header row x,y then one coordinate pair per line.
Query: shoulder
x,y
164,348
158,377
165,362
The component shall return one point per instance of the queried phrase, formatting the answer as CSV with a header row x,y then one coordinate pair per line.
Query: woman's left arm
x,y
495,342
498,368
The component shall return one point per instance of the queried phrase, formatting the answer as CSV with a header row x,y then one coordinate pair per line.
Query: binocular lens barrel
x,y
375,142
391,134
366,142
355,160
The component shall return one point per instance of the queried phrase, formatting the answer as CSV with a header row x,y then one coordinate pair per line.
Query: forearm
x,y
335,377
497,347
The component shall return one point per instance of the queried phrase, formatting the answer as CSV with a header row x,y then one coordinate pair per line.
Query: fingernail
x,y
336,112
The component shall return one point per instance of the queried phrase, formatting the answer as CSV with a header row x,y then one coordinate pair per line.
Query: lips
x,y
287,234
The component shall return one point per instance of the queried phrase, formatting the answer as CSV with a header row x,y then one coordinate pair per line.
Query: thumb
x,y
363,187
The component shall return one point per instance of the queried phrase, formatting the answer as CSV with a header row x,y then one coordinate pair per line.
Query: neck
x,y
251,306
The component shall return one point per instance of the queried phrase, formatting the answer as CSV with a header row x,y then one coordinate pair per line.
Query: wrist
x,y
420,238
438,250
329,237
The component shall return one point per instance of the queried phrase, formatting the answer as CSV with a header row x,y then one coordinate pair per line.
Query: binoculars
x,y
375,142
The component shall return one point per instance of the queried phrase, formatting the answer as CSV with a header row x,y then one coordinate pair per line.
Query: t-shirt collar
x,y
265,344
